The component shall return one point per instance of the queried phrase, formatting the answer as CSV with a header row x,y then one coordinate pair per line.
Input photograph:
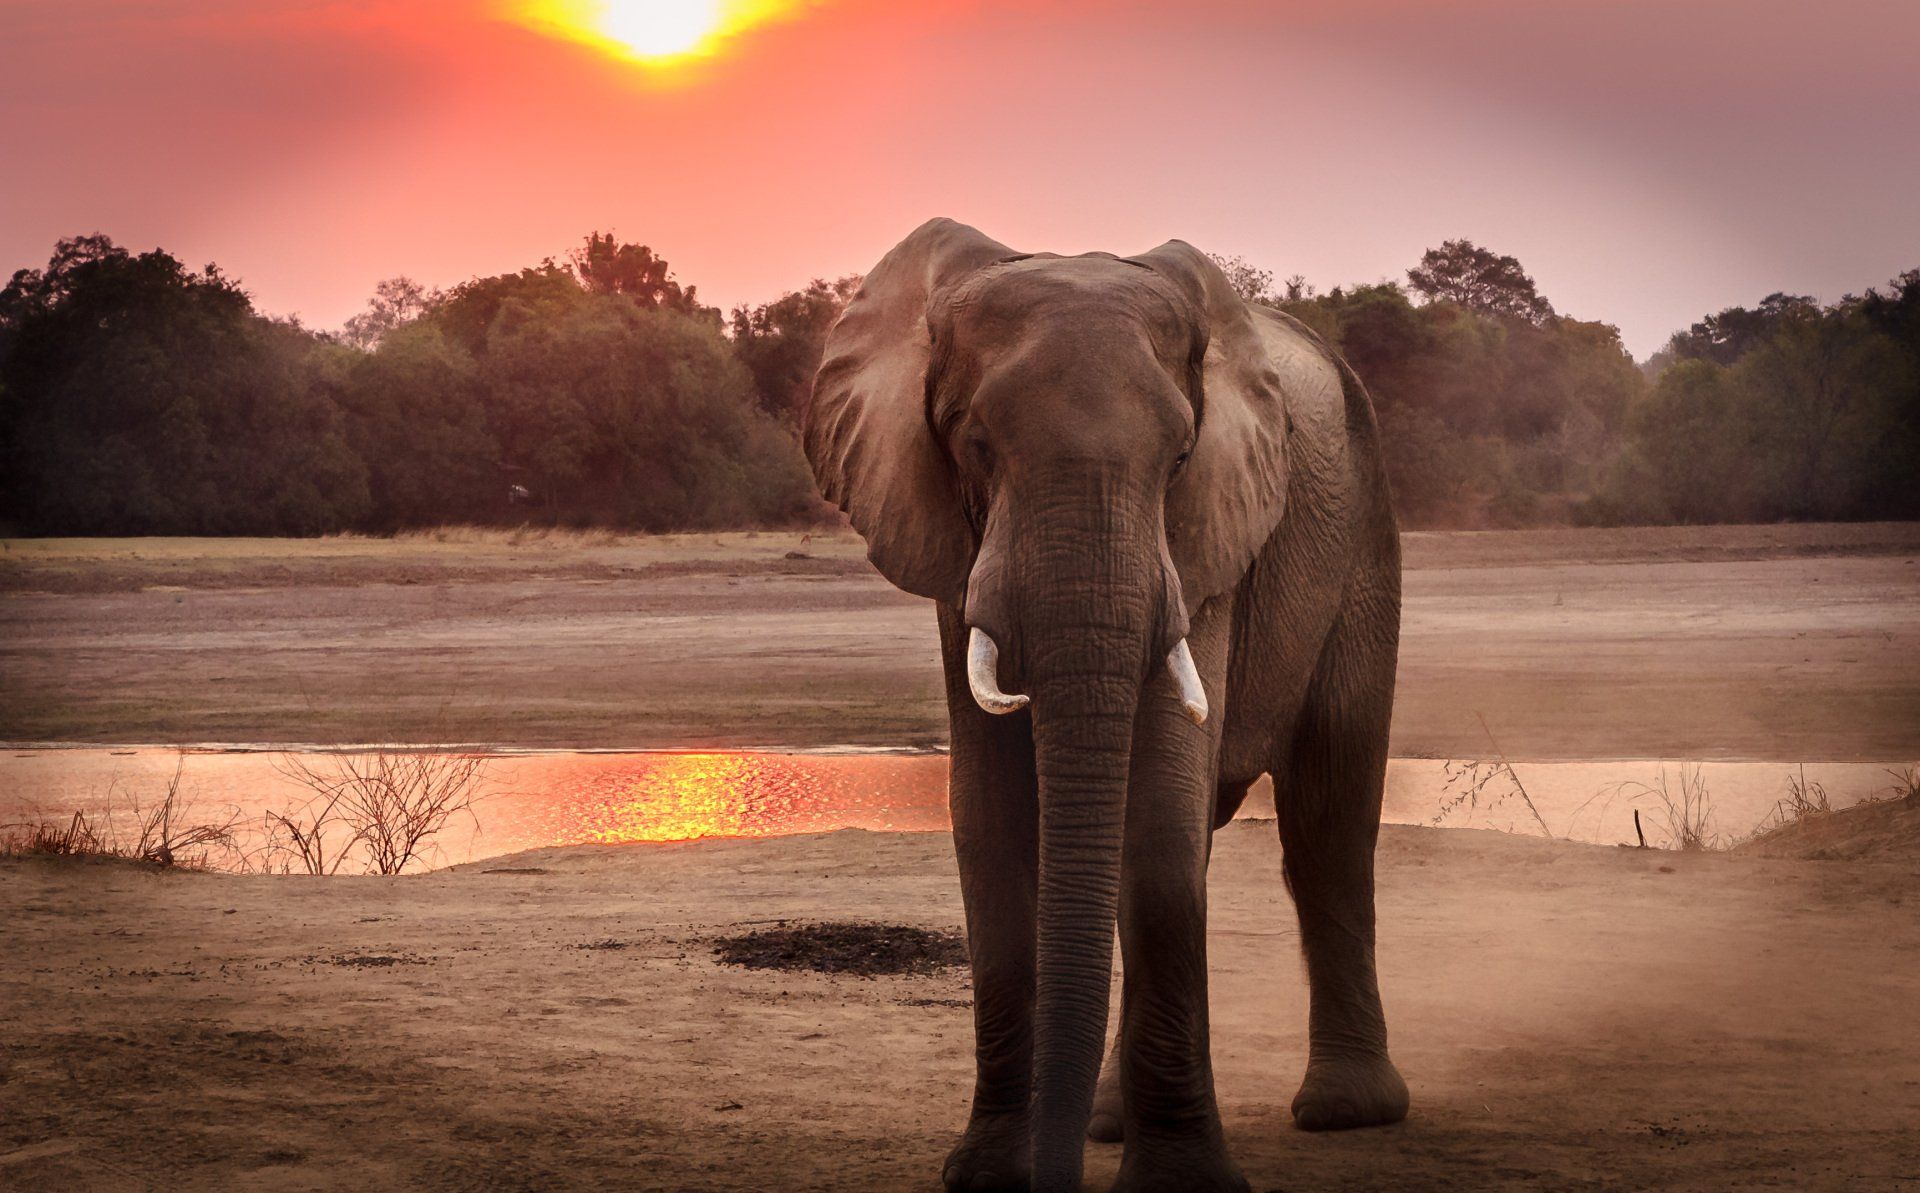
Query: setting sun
x,y
650,32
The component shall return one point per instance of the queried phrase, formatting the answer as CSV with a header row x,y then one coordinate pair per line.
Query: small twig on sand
x,y
1508,767
1636,829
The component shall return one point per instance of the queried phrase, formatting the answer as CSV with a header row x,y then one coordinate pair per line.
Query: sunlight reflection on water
x,y
543,799
679,797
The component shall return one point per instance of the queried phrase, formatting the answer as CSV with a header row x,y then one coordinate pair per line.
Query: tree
x,y
1821,405
396,302
1726,337
1688,457
1463,273
143,397
470,312
1248,281
417,417
605,266
619,415
781,342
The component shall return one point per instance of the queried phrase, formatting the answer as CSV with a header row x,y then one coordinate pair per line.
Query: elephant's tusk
x,y
983,675
1193,697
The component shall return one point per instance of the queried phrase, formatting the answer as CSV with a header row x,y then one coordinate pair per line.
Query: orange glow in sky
x,y
1648,161
650,32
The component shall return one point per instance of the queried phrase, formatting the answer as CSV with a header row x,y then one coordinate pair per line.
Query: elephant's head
x,y
1075,453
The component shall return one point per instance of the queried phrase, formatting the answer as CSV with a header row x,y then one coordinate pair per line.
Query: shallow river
x,y
528,800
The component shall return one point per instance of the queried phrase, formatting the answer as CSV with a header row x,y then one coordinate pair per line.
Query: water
x,y
531,800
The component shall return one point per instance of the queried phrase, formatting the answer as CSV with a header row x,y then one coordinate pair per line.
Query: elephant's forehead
x,y
1093,288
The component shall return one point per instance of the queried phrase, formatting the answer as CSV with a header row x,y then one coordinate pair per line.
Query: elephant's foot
x,y
1356,1092
1209,1171
991,1157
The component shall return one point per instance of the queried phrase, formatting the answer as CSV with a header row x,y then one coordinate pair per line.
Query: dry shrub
x,y
388,805
312,837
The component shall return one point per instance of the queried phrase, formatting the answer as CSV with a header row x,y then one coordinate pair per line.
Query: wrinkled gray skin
x,y
1090,458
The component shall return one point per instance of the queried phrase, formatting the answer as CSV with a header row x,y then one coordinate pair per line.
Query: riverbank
x,y
1569,1017
1782,643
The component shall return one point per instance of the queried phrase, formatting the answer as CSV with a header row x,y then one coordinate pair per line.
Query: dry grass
x,y
1806,803
1683,806
164,832
1804,799
1478,783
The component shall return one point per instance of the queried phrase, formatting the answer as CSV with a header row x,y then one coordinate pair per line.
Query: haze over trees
x,y
1497,411
139,396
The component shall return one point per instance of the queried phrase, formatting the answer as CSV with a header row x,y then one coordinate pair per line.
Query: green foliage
x,y
1464,274
143,398
620,415
138,396
604,266
1248,281
1488,419
417,419
396,302
1799,412
781,342
1726,337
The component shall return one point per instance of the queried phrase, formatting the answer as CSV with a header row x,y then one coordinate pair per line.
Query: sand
x,y
1568,1017
1780,643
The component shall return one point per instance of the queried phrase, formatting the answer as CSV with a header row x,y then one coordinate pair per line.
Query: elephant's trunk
x,y
1083,733
1090,617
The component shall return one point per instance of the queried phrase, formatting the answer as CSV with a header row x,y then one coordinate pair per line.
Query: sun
x,y
648,32
660,28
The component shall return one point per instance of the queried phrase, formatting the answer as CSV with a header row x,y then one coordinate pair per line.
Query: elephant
x,y
1155,523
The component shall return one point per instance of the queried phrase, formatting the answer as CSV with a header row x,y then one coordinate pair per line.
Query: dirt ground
x,y
1788,642
1568,1017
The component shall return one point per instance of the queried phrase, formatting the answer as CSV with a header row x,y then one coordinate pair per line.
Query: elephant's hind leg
x,y
1329,813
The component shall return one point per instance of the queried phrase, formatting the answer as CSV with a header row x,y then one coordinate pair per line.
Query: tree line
x,y
1495,410
139,396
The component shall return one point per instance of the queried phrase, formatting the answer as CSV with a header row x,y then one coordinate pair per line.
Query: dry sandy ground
x,y
1790,642
1569,1017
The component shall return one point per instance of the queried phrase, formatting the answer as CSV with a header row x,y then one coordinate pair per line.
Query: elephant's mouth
x,y
983,676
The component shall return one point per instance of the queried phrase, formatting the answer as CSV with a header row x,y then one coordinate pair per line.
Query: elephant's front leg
x,y
1173,1137
992,792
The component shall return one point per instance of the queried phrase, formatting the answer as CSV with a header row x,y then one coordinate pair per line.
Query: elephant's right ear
x,y
866,430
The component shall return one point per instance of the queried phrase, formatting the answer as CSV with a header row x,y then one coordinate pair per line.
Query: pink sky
x,y
1647,162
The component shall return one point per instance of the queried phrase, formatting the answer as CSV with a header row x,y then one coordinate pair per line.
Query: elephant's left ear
x,y
1233,491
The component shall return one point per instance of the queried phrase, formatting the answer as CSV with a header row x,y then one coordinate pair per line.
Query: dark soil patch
x,y
867,950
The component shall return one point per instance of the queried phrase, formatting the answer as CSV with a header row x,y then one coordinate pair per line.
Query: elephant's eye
x,y
979,452
1180,461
